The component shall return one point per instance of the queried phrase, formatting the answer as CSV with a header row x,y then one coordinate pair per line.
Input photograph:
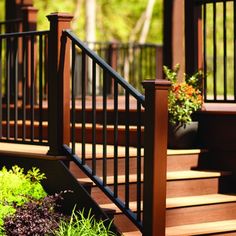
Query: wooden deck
x,y
27,151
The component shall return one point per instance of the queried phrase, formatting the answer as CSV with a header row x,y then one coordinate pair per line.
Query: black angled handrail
x,y
103,147
105,66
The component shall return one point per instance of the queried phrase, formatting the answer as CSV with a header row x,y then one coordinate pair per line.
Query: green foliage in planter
x,y
184,98
79,225
17,188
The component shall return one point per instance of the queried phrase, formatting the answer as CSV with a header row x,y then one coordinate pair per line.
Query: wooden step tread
x,y
27,151
77,125
109,127
194,174
171,176
133,233
225,226
173,152
188,201
132,151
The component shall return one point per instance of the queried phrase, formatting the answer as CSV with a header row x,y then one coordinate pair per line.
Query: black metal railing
x,y
218,31
23,70
133,61
92,157
10,26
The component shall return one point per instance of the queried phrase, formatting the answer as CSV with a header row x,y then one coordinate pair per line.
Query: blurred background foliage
x,y
115,19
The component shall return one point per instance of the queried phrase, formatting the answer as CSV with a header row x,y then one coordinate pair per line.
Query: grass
x,y
79,225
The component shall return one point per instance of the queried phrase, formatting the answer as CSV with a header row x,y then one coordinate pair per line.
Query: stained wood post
x,y
159,62
193,37
29,15
173,34
155,157
112,61
58,83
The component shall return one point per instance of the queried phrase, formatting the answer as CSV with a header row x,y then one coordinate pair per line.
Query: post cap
x,y
60,16
157,84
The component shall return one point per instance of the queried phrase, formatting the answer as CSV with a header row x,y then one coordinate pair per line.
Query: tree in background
x,y
115,19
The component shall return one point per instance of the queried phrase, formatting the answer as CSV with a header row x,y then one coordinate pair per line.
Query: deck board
x,y
27,151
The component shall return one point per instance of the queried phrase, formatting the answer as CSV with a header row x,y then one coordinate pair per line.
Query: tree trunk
x,y
146,24
90,23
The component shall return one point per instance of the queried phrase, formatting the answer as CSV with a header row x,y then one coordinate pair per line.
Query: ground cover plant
x,y
26,209
17,188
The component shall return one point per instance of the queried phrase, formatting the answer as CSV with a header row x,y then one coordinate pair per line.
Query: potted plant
x,y
184,99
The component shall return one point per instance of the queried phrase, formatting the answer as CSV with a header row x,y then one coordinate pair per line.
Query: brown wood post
x,y
29,15
159,62
155,157
193,37
112,61
173,33
58,83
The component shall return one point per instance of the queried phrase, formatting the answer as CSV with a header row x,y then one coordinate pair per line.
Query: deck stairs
x,y
200,200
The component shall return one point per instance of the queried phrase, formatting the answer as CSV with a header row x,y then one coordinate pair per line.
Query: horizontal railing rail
x,y
90,65
10,26
23,72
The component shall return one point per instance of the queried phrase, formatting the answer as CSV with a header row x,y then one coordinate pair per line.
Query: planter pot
x,y
183,137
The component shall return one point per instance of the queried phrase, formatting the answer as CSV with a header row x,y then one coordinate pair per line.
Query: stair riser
x,y
200,214
110,171
189,215
110,136
124,224
182,162
78,115
194,187
27,131
88,137
174,189
100,198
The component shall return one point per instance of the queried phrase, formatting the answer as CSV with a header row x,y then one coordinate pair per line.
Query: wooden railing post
x,y
112,51
173,34
58,83
155,157
159,62
29,17
193,37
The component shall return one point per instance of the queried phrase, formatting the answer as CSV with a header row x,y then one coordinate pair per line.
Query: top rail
x,y
10,21
21,34
105,66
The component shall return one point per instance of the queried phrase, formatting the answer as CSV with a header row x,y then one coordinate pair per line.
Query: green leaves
x,y
183,98
79,225
17,188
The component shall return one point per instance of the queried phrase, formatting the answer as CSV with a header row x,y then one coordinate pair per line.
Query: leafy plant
x,y
79,225
17,188
185,97
36,217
